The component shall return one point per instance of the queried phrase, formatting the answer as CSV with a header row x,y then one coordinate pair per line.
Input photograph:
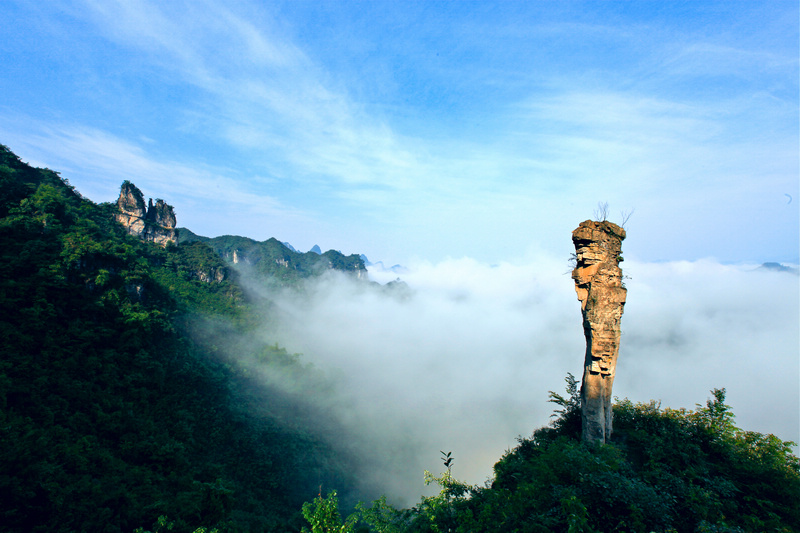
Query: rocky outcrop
x,y
132,210
161,214
155,224
598,282
210,275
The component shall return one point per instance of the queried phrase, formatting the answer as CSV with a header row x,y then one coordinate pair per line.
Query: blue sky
x,y
428,130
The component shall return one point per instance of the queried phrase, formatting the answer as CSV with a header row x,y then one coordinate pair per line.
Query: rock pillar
x,y
598,282
131,209
155,224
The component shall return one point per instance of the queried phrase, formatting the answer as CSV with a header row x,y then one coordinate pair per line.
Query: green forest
x,y
273,261
132,398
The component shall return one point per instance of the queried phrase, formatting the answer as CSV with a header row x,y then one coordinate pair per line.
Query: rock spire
x,y
598,282
155,224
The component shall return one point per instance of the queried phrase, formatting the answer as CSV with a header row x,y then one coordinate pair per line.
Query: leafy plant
x,y
324,517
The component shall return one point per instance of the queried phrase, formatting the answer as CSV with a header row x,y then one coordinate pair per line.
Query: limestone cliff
x,y
598,282
132,210
155,224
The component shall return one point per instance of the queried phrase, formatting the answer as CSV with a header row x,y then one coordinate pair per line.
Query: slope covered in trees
x,y
120,397
273,260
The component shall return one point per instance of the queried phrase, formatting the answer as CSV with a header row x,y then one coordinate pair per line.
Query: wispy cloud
x,y
484,121
262,91
706,59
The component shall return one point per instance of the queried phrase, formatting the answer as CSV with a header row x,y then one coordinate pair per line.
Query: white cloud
x,y
464,363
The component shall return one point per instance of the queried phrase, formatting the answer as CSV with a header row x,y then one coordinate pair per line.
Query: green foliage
x,y
567,419
162,524
382,517
275,261
113,410
441,512
666,470
324,517
718,474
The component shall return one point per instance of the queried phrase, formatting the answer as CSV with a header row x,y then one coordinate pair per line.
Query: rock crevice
x,y
598,283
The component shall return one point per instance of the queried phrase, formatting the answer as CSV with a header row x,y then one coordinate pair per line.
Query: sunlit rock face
x,y
161,214
155,224
598,282
132,209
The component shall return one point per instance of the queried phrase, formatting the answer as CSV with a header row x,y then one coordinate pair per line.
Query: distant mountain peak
x,y
778,267
316,249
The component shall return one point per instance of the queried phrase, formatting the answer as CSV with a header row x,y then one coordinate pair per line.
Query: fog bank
x,y
463,361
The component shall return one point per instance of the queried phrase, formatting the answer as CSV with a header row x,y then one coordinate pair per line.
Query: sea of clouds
x,y
462,359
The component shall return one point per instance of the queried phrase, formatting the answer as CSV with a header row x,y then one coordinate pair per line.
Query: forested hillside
x,y
112,414
272,260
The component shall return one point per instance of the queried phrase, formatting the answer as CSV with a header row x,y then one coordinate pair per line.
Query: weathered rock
x,y
161,214
155,224
210,275
132,211
598,283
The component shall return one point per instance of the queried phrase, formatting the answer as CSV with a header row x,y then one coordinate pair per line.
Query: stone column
x,y
598,282
155,224
131,209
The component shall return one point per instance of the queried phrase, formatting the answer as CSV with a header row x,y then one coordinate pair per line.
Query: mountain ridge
x,y
275,259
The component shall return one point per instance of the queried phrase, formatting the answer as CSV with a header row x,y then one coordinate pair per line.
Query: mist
x,y
462,359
